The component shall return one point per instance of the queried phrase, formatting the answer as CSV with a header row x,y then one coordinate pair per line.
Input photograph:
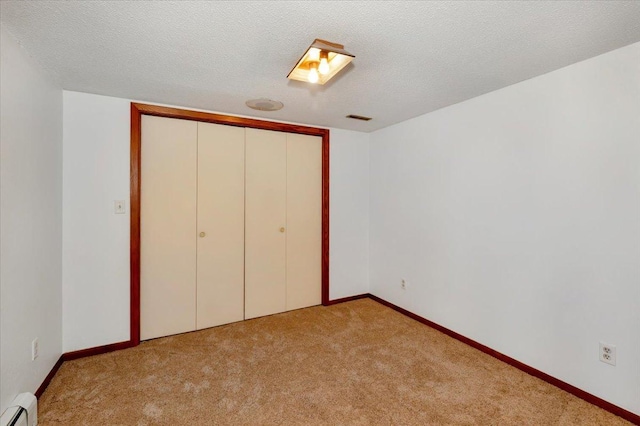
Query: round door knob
x,y
202,234
282,229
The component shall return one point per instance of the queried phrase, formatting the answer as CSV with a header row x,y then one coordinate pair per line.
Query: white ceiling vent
x,y
264,104
358,117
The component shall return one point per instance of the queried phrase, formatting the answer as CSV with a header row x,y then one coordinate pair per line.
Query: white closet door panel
x,y
265,226
304,221
220,287
168,227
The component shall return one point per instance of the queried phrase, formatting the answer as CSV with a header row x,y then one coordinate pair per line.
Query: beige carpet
x,y
356,363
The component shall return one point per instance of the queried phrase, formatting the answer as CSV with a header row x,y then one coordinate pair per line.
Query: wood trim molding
x,y
68,356
346,299
137,111
325,219
49,377
98,350
229,120
134,213
592,399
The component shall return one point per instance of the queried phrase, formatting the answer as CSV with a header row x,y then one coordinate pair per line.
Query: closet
x,y
230,224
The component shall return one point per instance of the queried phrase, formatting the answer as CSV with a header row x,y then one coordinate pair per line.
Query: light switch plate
x,y
34,349
119,207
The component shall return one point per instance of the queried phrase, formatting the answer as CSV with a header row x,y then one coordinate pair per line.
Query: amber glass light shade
x,y
322,58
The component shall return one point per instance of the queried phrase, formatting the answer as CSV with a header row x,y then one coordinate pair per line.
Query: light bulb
x,y
314,54
324,66
313,73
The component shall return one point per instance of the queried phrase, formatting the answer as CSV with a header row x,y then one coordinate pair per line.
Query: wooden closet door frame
x,y
137,111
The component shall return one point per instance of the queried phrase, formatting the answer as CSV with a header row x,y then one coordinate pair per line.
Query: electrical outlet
x,y
403,284
607,353
119,207
34,349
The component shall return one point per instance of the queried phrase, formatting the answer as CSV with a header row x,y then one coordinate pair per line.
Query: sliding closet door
x,y
265,223
220,289
304,221
167,227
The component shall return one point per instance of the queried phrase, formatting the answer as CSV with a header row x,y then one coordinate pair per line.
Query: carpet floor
x,y
355,363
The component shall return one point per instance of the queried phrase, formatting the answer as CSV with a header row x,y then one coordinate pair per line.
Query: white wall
x,y
31,221
96,241
95,254
349,213
515,219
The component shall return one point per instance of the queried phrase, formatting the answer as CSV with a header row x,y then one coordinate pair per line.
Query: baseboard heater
x,y
22,412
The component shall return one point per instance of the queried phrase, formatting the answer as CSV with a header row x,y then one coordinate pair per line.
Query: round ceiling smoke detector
x,y
264,104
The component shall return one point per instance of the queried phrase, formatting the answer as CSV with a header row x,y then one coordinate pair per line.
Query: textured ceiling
x,y
411,57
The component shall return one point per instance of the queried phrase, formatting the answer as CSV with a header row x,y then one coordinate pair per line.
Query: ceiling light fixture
x,y
320,62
